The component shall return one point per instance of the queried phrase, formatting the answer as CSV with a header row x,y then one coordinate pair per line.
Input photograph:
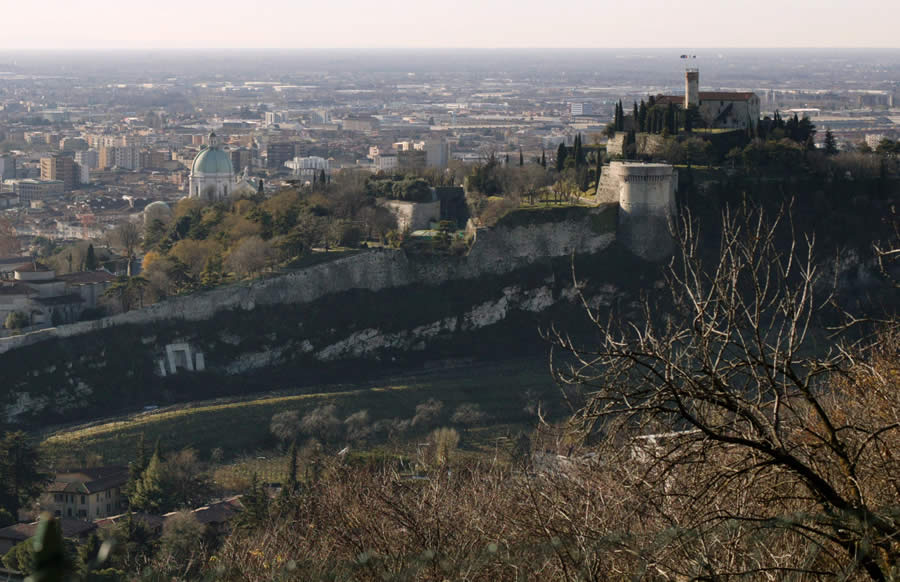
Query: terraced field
x,y
241,426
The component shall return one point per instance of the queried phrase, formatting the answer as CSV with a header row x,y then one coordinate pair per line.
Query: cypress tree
x,y
642,116
90,260
636,116
50,561
292,484
576,149
543,158
255,502
561,153
830,143
149,495
521,158
136,468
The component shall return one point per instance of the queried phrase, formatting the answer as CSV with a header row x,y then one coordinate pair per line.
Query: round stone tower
x,y
646,207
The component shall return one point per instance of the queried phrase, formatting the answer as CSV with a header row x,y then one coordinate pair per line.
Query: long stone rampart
x,y
495,251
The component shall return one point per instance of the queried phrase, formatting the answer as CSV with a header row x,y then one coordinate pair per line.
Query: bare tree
x,y
285,426
128,236
744,432
9,243
252,255
322,423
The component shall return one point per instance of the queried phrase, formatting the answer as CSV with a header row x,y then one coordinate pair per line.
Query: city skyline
x,y
698,24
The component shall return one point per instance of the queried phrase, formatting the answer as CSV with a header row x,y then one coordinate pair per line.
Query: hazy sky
x,y
687,24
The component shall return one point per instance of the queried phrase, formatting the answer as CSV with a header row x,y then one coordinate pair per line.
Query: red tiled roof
x,y
70,528
666,99
218,512
13,260
725,96
87,277
31,268
93,479
151,521
706,96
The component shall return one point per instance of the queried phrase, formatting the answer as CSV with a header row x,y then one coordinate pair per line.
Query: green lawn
x,y
240,427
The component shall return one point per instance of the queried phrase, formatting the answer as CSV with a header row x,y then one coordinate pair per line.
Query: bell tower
x,y
691,87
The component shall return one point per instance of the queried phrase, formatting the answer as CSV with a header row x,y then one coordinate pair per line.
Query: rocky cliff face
x,y
378,305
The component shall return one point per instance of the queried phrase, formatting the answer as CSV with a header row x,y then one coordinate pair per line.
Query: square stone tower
x,y
691,88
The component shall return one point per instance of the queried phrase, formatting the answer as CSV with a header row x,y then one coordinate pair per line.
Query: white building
x,y
873,139
273,118
309,167
578,109
212,177
437,154
88,159
385,163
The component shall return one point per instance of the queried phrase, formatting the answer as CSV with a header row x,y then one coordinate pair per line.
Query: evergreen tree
x,y
642,117
291,485
213,272
136,467
255,502
507,160
635,116
149,495
521,158
51,563
543,158
561,153
20,479
90,259
87,554
830,143
576,150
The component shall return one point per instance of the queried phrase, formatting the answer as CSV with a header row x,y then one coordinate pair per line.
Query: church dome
x,y
212,174
212,160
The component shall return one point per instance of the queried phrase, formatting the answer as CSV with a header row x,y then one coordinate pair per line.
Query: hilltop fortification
x,y
379,305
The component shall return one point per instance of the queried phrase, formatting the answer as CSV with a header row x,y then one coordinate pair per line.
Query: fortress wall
x,y
414,215
495,251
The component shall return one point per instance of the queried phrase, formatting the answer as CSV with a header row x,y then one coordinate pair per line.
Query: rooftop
x,y
87,277
90,480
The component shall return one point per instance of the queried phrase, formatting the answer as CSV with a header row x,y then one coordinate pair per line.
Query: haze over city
x,y
693,24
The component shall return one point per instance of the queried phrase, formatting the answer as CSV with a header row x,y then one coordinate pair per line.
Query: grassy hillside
x,y
240,426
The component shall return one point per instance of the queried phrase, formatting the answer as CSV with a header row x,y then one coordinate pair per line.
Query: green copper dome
x,y
212,160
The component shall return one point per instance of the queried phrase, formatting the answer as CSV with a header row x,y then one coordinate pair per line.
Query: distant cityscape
x,y
82,147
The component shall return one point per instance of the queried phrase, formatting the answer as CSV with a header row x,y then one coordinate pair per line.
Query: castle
x,y
717,109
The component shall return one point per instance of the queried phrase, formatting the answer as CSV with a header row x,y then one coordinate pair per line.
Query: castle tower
x,y
645,194
691,88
